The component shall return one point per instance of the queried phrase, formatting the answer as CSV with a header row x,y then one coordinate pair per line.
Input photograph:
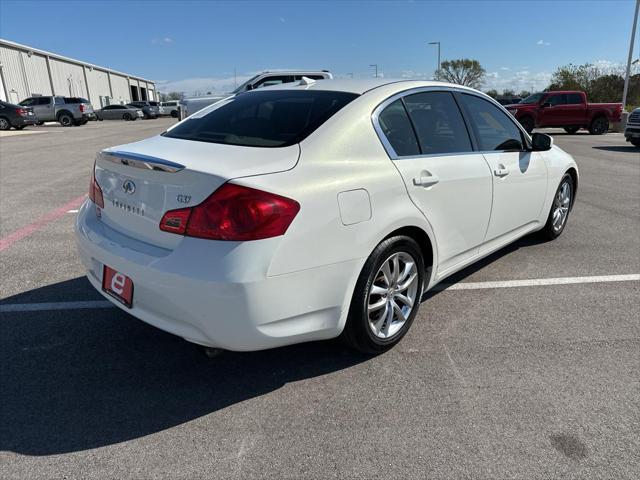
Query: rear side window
x,y
493,128
573,98
438,123
275,118
29,102
396,127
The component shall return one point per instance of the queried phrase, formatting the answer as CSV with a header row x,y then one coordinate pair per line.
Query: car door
x,y
553,111
519,175
111,112
575,109
426,137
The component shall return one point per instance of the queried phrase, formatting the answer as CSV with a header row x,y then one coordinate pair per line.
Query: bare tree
x,y
463,72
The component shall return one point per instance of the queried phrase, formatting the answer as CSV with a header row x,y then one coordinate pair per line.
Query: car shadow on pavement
x,y
528,241
619,148
74,380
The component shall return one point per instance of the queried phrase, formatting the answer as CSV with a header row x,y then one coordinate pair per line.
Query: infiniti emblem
x,y
129,187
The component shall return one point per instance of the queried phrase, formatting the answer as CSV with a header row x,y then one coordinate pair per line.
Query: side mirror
x,y
541,142
545,105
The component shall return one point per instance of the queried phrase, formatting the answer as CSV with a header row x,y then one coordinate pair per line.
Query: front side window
x,y
276,118
269,81
493,129
535,98
554,100
438,123
396,127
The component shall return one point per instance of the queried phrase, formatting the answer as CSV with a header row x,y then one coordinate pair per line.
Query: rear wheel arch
x,y
574,176
422,238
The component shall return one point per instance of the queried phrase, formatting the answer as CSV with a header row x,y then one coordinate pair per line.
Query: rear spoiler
x,y
137,160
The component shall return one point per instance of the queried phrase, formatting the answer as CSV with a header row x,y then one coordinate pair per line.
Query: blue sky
x,y
193,45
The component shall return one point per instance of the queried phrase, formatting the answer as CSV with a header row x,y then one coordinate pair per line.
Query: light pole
x,y
376,67
438,70
626,77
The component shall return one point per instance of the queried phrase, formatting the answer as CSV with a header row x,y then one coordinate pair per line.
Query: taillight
x,y
82,107
21,111
95,192
234,213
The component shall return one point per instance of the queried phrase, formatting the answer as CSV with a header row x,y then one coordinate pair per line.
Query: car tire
x,y
66,120
560,208
391,282
599,125
39,123
527,123
571,130
635,143
19,127
174,113
4,124
127,117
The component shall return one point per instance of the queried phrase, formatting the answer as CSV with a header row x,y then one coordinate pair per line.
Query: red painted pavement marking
x,y
42,222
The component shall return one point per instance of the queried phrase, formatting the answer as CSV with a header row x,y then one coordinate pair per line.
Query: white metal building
x,y
27,71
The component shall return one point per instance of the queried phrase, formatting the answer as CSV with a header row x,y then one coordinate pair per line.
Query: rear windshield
x,y
276,118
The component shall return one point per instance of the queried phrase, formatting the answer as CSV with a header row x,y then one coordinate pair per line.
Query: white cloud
x,y
162,41
505,69
543,43
517,80
202,85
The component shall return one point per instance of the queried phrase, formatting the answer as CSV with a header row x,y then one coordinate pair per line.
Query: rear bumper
x,y
23,121
217,293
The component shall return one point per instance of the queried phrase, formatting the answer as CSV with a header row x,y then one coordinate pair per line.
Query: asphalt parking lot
x,y
530,381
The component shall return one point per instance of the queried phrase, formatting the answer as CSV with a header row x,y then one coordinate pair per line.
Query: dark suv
x,y
150,111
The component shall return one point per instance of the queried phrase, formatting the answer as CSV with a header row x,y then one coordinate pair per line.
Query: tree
x,y
493,93
524,94
507,92
165,97
463,72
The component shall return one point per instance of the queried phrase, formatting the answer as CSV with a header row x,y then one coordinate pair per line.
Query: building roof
x,y
67,59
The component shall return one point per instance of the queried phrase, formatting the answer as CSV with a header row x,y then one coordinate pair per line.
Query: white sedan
x,y
315,210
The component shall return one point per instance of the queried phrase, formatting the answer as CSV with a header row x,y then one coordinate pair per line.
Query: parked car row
x,y
71,111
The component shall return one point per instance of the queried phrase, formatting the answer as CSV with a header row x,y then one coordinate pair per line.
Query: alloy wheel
x,y
4,124
561,206
392,295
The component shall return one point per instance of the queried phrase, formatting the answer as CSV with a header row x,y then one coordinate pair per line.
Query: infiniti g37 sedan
x,y
315,210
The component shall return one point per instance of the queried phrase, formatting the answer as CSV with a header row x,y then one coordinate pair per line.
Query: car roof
x,y
360,86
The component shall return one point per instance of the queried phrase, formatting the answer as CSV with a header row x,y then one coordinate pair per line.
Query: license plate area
x,y
118,285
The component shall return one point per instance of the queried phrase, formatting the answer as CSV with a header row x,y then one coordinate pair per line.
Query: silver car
x,y
119,112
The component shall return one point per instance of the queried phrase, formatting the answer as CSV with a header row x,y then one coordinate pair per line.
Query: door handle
x,y
501,171
426,180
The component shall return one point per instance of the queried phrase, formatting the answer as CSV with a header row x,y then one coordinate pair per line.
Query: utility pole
x,y
438,70
626,77
376,67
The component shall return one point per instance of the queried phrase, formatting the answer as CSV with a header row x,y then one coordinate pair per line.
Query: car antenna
x,y
307,81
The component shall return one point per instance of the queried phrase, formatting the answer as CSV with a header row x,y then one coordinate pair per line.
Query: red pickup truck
x,y
567,109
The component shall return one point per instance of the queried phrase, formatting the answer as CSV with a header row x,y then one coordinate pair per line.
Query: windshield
x,y
535,98
243,86
275,118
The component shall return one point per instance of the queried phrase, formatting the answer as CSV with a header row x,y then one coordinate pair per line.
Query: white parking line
x,y
72,211
538,282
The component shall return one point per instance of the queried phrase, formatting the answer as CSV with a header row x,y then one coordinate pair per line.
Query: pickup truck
x,y
189,106
566,109
632,130
66,110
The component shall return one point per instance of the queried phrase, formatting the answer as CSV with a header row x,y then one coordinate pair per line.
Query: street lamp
x,y
438,70
626,77
376,67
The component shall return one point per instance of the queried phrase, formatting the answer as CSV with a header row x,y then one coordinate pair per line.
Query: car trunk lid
x,y
143,180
